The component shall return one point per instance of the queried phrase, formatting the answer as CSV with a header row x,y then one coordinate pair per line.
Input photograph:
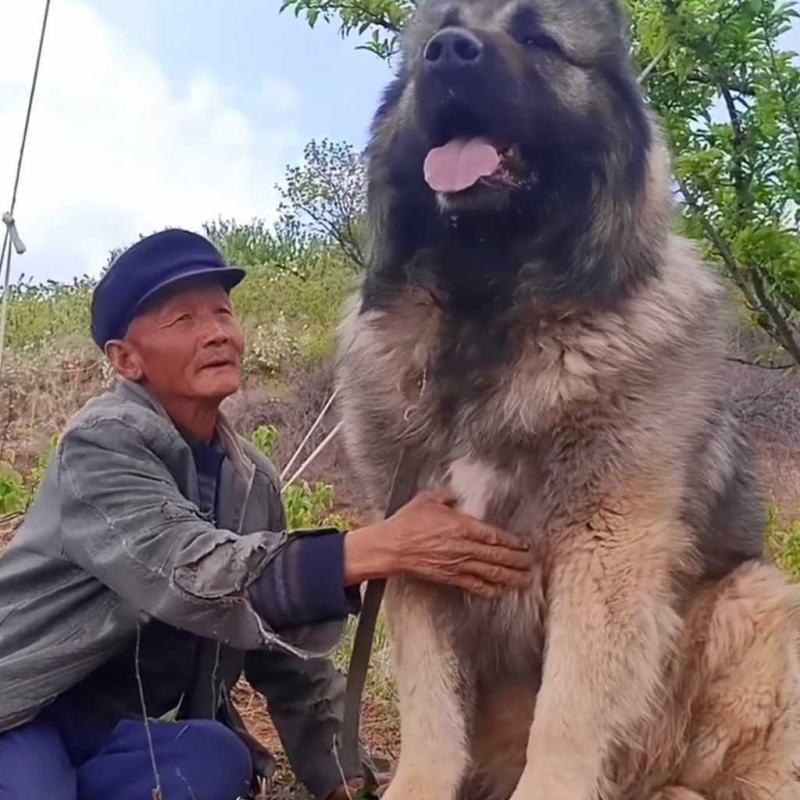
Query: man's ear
x,y
125,359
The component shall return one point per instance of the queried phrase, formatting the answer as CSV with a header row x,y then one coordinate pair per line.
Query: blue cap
x,y
146,269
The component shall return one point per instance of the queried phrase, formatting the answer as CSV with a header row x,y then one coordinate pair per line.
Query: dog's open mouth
x,y
462,163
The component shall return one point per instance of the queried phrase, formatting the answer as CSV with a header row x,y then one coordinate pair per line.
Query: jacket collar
x,y
242,463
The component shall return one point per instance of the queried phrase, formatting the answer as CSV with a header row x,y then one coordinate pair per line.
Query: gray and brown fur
x,y
554,352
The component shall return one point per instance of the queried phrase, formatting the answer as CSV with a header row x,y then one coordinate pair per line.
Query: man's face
x,y
186,345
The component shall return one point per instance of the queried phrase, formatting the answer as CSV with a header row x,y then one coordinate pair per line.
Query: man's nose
x,y
215,331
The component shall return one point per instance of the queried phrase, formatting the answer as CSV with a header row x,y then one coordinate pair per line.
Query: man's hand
x,y
431,541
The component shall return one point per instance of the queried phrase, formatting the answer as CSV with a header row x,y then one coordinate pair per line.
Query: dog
x,y
533,329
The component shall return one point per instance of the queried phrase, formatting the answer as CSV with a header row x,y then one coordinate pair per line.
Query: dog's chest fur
x,y
532,420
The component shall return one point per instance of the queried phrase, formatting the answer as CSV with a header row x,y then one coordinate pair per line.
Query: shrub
x,y
12,491
309,506
783,542
264,437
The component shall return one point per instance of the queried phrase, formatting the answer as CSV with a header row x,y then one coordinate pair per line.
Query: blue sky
x,y
241,42
166,112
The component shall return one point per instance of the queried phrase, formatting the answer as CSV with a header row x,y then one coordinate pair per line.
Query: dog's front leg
x,y
610,624
432,693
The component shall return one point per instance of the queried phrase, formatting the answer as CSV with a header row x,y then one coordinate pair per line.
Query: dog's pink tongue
x,y
459,164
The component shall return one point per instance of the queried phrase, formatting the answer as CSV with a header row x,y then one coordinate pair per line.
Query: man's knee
x,y
213,759
34,763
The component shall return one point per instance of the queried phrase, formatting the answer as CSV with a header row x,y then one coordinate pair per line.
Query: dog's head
x,y
520,118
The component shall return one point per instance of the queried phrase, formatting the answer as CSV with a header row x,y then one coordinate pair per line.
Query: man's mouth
x,y
462,163
219,362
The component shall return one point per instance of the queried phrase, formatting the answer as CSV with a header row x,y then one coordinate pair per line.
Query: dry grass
x,y
41,390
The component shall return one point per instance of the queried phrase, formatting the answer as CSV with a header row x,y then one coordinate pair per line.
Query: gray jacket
x,y
115,537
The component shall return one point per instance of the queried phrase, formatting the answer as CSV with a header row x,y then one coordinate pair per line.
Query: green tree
x,y
381,20
325,197
729,99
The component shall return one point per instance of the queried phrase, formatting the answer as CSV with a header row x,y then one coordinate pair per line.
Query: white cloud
x,y
116,148
280,96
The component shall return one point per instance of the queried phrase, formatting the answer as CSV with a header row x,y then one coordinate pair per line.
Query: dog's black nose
x,y
453,48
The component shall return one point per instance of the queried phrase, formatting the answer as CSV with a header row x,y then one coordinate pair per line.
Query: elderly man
x,y
154,568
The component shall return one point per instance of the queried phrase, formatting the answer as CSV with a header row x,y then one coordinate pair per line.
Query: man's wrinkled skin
x,y
186,350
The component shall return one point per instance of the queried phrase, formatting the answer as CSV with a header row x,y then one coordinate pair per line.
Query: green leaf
x,y
172,715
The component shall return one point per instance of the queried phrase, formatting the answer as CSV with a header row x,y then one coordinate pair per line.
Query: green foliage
x,y
288,314
255,244
17,490
322,203
324,197
729,98
783,542
265,437
309,506
12,490
290,317
40,314
379,20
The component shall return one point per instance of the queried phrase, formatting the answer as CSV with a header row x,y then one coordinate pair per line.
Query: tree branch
x,y
356,11
720,245
760,366
785,334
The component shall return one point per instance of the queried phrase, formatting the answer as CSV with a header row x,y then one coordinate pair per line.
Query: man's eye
x,y
224,310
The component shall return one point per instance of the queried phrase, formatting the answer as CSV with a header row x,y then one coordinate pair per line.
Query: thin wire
x,y
319,448
311,430
4,305
6,240
30,106
157,793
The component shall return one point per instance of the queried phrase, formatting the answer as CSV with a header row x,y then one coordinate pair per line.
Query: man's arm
x,y
125,522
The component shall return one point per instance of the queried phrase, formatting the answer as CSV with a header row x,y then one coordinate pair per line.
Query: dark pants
x,y
196,760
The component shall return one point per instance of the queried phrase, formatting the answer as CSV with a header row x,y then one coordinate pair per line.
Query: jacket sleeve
x,y
124,521
306,703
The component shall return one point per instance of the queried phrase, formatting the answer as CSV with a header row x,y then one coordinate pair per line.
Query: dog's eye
x,y
540,41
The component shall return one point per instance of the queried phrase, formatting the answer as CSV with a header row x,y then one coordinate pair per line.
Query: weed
x,y
310,506
12,490
264,437
783,541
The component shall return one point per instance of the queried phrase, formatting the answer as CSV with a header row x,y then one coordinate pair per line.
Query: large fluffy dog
x,y
531,325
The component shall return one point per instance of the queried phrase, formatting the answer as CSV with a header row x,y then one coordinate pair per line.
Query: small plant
x,y
783,542
264,437
12,490
309,506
